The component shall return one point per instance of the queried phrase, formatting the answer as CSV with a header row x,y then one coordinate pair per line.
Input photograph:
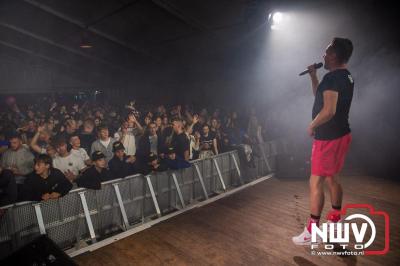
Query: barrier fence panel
x,y
223,164
103,208
85,216
151,206
88,218
206,168
178,183
220,182
200,185
6,233
185,178
19,226
133,196
126,225
234,159
195,191
163,188
64,220
26,225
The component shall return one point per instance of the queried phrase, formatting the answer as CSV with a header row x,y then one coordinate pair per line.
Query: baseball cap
x,y
170,150
97,155
118,146
152,157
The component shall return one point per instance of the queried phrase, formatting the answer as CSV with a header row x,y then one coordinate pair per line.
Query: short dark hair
x,y
14,135
57,142
343,48
88,122
176,119
75,134
101,127
44,158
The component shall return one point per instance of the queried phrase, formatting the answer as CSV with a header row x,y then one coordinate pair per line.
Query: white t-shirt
x,y
80,153
153,144
105,143
129,141
192,146
72,162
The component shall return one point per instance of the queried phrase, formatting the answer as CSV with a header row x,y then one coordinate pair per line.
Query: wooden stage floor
x,y
253,227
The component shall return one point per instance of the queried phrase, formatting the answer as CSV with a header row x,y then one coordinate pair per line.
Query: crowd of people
x,y
48,148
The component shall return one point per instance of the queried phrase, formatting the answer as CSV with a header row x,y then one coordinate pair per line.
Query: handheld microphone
x,y
316,66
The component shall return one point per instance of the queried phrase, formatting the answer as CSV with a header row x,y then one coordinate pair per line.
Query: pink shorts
x,y
327,156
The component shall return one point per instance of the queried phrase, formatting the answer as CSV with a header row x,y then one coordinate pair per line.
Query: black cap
x,y
170,150
152,157
97,155
118,146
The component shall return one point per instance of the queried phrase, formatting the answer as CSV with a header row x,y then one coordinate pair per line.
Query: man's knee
x,y
316,183
332,181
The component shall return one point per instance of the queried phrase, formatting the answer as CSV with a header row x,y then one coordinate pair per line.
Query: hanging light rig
x,y
85,44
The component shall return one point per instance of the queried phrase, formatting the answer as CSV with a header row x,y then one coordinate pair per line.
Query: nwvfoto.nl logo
x,y
339,233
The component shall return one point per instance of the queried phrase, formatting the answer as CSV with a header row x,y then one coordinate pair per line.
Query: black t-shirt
x,y
197,127
86,141
35,186
208,140
342,82
162,166
121,168
181,144
92,179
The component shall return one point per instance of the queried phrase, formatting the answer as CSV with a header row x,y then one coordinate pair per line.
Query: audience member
x,y
76,149
180,142
45,182
122,165
40,140
150,142
65,161
171,144
175,162
103,143
18,159
155,165
92,177
87,135
208,143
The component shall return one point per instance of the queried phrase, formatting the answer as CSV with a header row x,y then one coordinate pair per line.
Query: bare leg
x,y
335,189
316,205
316,194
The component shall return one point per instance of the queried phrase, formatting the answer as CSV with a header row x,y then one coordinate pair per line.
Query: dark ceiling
x,y
129,37
140,39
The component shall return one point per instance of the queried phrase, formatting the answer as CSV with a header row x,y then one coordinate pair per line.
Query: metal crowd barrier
x,y
85,216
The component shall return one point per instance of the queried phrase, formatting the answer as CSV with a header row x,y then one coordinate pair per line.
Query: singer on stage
x,y
331,131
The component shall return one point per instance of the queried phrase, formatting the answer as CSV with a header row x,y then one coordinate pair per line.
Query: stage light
x,y
274,27
277,17
85,45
